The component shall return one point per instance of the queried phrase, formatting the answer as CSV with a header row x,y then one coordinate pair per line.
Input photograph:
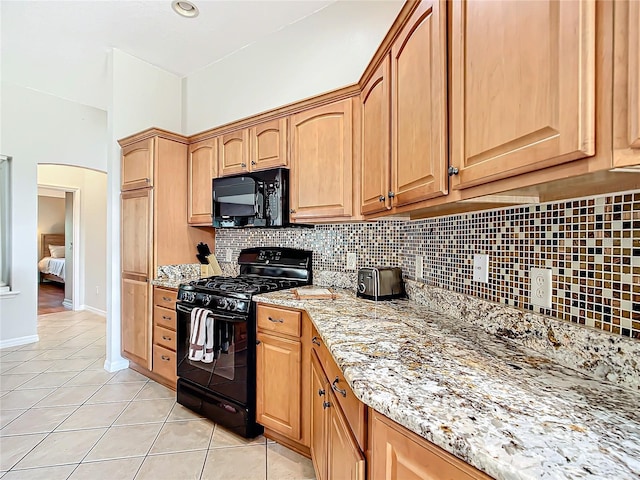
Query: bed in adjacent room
x,y
52,262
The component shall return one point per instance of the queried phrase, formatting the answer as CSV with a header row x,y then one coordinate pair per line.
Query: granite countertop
x,y
500,406
172,282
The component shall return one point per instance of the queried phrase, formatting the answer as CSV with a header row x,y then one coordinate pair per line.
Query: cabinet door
x,y
419,106
137,165
397,456
522,87
634,74
233,152
322,162
278,384
135,320
319,399
135,232
376,132
269,146
344,458
202,168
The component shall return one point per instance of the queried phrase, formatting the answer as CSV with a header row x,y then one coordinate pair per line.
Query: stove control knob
x,y
232,304
207,299
361,287
222,303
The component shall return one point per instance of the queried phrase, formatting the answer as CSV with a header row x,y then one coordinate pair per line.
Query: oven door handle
x,y
218,316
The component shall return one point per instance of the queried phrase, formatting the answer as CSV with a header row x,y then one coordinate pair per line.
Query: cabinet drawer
x,y
164,318
165,298
164,337
354,410
164,363
286,322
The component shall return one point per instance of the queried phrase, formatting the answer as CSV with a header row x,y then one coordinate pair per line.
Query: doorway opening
x,y
58,236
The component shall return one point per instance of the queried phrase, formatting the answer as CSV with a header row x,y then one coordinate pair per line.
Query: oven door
x,y
231,374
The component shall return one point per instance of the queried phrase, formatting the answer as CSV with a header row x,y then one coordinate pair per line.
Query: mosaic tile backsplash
x,y
591,244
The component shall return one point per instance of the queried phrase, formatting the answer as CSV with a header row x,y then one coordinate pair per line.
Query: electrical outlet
x,y
540,287
481,267
229,255
351,261
97,290
419,267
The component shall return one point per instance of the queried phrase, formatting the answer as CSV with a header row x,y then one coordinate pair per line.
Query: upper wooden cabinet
x,y
626,109
137,165
419,106
233,152
522,87
269,145
202,167
257,148
322,163
376,134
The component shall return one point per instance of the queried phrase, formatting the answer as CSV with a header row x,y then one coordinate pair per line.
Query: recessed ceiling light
x,y
185,8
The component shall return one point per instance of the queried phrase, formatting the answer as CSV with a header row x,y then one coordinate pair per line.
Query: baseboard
x,y
93,310
14,342
116,365
68,304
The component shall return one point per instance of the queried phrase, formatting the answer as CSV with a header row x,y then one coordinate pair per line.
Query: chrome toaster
x,y
380,283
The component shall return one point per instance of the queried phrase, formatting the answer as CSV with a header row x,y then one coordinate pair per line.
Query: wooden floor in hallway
x,y
50,298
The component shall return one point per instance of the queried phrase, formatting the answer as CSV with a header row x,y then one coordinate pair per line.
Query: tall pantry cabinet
x,y
154,230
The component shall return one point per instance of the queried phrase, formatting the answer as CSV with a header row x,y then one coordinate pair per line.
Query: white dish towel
x,y
201,339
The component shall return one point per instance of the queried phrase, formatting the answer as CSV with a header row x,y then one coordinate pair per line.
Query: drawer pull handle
x,y
336,389
276,320
164,337
166,299
165,358
326,404
320,392
315,341
164,317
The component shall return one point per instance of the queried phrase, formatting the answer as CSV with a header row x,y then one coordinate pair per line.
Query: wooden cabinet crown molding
x,y
150,133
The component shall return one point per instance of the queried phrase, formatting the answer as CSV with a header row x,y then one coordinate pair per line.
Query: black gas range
x,y
217,335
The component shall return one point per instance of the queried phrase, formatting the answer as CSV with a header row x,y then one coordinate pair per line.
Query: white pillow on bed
x,y
57,251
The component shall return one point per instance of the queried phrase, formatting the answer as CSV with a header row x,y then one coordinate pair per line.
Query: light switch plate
x,y
351,261
419,267
540,287
481,267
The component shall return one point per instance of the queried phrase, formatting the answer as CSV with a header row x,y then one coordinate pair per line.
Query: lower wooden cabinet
x,y
334,451
164,335
282,383
398,454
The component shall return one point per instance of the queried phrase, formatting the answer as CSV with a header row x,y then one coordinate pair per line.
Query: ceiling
x,y
61,47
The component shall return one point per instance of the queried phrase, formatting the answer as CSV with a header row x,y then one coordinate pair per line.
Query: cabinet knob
x,y
453,171
381,198
326,404
166,299
315,341
253,162
165,358
257,342
321,392
275,320
164,337
243,165
292,211
391,195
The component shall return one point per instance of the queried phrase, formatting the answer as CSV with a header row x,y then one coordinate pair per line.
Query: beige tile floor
x,y
62,416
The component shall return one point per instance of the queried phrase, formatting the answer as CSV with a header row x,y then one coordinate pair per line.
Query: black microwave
x,y
257,199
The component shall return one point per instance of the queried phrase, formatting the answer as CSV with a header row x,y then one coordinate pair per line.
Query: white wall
x,y
143,96
299,61
39,128
92,189
50,216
